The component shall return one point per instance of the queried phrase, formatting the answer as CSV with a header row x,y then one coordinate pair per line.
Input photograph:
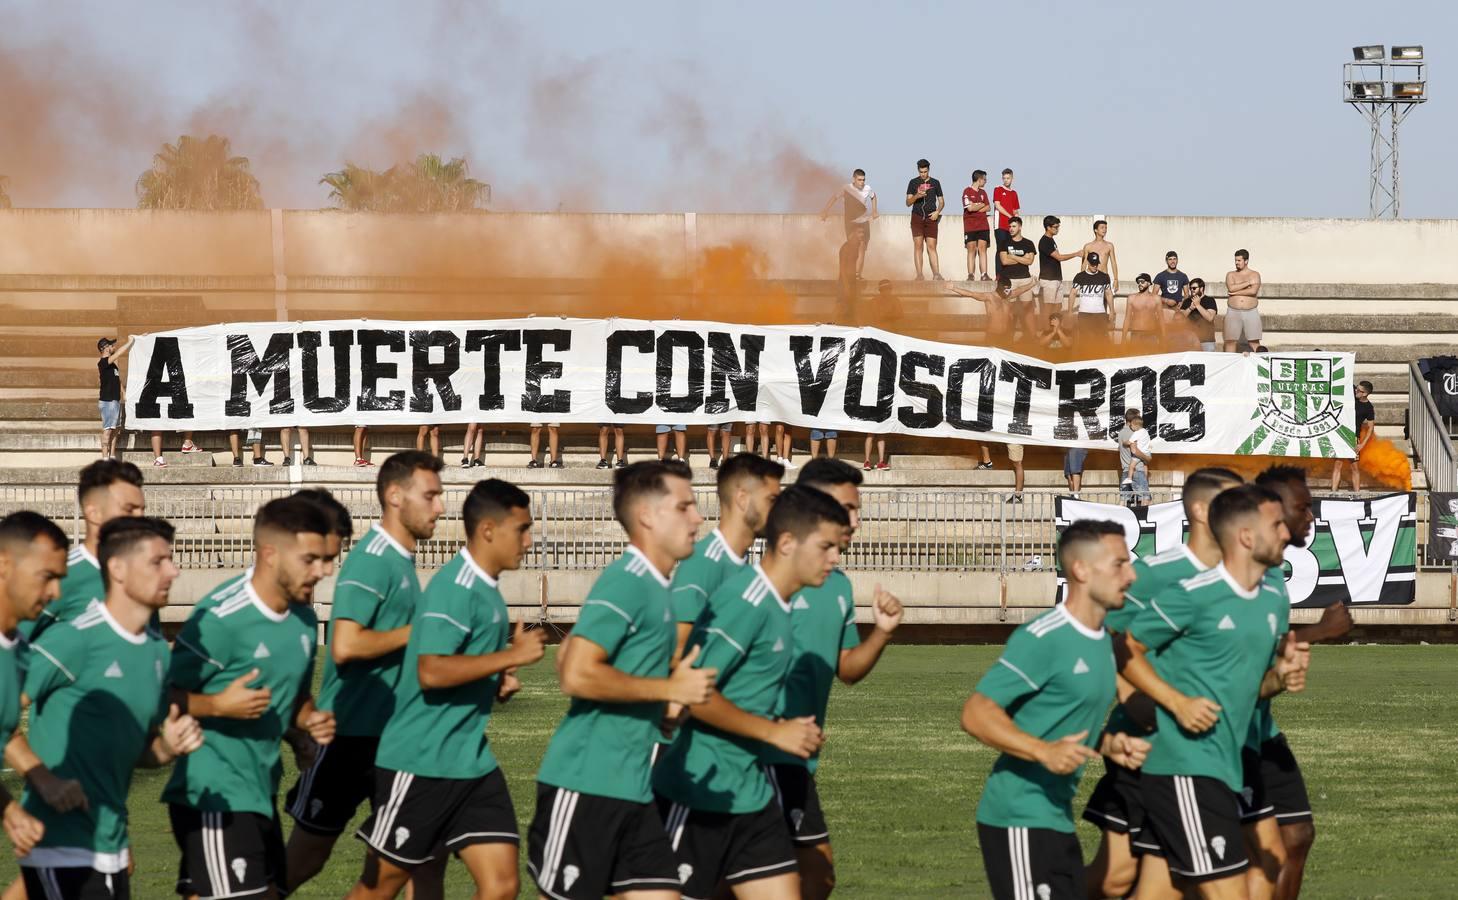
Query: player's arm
x,y
1159,625
178,735
47,673
989,723
198,655
587,675
858,661
439,671
723,645
23,829
350,641
1335,622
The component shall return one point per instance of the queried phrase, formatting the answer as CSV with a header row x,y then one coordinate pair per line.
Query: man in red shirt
x,y
1005,201
975,228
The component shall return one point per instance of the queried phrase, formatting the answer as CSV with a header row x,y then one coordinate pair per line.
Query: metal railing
x,y
1431,434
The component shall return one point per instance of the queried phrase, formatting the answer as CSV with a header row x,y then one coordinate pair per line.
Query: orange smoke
x,y
1383,461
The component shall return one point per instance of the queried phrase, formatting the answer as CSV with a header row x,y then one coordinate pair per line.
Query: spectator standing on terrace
x,y
1366,426
999,320
1005,201
554,447
433,433
1102,246
680,440
604,457
860,209
880,462
361,435
829,438
725,433
1173,284
1200,311
1091,290
924,196
473,451
1143,317
306,446
1015,456
1242,313
975,227
160,461
1073,460
1017,255
1050,265
254,436
109,398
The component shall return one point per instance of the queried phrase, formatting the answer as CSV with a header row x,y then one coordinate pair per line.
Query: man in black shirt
x,y
924,196
1016,255
1050,266
109,400
1366,426
1200,311
1172,282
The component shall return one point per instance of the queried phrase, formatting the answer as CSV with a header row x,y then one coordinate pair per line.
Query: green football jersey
x,y
96,694
1263,724
605,749
1213,640
823,623
1152,574
746,635
1055,678
441,733
697,578
79,589
11,675
231,633
377,588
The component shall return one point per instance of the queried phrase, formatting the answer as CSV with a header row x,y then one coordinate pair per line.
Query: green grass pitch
x,y
1376,733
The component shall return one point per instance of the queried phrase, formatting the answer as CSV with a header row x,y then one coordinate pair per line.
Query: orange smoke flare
x,y
1383,461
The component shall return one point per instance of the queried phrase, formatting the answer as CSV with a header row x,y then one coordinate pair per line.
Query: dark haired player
x,y
1040,706
596,830
97,713
438,787
714,794
826,646
375,599
222,798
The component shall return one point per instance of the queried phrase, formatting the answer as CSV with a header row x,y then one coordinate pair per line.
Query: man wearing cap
x,y
1105,249
1050,266
1143,318
1090,296
109,400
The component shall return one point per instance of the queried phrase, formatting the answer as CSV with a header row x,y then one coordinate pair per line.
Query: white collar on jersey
x,y
1092,633
379,529
1190,555
662,579
257,601
117,627
7,641
1235,586
475,567
719,536
771,585
81,551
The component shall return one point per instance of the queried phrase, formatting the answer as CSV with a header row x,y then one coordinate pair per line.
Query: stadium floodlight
x,y
1384,91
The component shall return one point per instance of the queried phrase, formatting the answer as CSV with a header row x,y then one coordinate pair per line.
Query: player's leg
x,y
1286,792
380,880
323,802
817,871
1154,882
427,880
1195,822
1267,856
1297,838
224,854
759,861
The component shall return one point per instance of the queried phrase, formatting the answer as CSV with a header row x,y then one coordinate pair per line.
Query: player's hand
x,y
798,737
1293,664
674,715
182,734
23,829
1196,714
688,685
1126,750
1065,755
1336,620
529,645
61,794
886,611
508,687
320,725
305,750
239,701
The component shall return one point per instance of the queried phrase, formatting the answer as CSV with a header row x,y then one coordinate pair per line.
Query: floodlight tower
x,y
1384,92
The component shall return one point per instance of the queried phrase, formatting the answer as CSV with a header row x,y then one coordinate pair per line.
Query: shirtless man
x,y
1105,249
1143,318
1242,317
999,320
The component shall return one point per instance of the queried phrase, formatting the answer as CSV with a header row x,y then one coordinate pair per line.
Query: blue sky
x,y
1114,107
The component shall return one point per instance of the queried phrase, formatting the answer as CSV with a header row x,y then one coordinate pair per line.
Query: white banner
x,y
360,372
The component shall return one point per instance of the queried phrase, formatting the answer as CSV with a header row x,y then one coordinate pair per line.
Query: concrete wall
x,y
332,244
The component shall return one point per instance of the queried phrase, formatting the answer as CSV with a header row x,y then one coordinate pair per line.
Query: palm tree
x,y
4,197
198,173
426,185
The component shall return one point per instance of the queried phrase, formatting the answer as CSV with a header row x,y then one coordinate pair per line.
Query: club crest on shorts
x,y
685,872
240,868
796,817
315,806
1300,402
402,834
1045,892
1217,843
569,876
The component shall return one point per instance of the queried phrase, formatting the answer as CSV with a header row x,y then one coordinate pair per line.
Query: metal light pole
x,y
1384,92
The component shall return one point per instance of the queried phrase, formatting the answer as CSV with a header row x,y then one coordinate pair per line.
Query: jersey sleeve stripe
x,y
734,643
436,615
363,586
1155,606
55,662
1019,672
627,618
690,587
199,654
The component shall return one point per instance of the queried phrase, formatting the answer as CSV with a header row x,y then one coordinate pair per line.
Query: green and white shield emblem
x,y
1300,404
